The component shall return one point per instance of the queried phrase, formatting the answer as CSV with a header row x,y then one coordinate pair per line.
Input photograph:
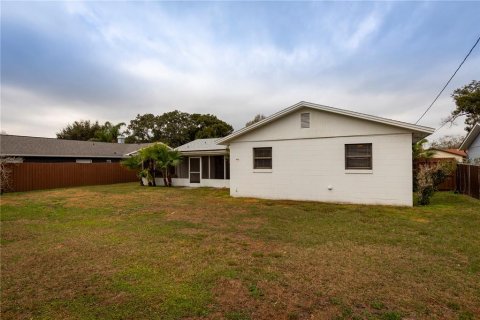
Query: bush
x,y
429,177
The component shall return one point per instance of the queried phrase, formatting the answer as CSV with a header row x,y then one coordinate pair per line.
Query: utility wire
x,y
448,82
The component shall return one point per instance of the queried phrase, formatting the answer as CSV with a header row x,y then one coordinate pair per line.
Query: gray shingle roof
x,y
11,145
202,145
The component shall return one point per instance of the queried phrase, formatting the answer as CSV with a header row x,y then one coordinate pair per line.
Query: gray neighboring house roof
x,y
24,146
203,146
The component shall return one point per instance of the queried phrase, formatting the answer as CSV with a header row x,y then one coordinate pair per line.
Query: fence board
x,y
36,176
468,180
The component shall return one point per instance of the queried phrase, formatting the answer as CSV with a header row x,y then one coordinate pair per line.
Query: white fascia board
x,y
470,137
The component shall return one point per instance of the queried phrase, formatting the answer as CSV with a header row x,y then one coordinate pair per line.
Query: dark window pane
x,y
263,164
262,152
205,165
358,162
354,150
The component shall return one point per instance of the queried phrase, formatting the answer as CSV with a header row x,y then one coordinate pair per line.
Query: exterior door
x,y
194,170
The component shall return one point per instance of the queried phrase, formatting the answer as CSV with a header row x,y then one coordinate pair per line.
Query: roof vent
x,y
305,120
121,139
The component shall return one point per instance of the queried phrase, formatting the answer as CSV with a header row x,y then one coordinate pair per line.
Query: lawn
x,y
130,252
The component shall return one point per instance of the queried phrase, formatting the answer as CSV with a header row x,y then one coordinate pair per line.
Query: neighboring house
x,y
204,164
319,153
48,150
458,155
471,144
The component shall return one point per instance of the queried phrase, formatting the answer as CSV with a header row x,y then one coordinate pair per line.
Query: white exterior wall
x,y
474,149
305,162
442,154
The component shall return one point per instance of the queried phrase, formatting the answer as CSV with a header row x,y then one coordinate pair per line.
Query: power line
x,y
448,82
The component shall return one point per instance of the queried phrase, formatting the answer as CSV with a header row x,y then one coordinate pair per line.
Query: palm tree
x,y
169,158
419,152
108,132
135,162
157,156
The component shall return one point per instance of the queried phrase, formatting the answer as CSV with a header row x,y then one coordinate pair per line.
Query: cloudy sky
x,y
62,62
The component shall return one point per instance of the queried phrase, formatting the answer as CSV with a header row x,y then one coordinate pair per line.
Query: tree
x,y
149,160
467,100
134,163
176,128
257,118
5,174
166,159
429,177
141,129
83,130
419,152
447,142
209,126
108,132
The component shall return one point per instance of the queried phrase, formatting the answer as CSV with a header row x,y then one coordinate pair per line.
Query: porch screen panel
x,y
227,168
217,167
182,169
205,165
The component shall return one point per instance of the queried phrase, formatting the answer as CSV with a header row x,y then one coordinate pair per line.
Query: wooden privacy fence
x,y
468,180
450,182
35,176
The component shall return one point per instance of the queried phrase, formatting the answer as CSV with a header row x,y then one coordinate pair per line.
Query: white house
x,y
205,164
471,144
319,153
458,155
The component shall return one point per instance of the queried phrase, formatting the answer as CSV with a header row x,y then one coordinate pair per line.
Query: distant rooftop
x,y
22,146
202,145
457,152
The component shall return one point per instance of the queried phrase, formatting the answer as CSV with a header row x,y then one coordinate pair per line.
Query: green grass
x,y
127,252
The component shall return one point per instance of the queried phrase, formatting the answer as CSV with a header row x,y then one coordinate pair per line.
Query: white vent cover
x,y
305,120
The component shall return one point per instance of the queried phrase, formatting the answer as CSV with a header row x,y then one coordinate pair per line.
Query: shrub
x,y
429,177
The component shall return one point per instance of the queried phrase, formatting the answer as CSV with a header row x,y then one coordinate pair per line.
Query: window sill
x,y
358,171
262,170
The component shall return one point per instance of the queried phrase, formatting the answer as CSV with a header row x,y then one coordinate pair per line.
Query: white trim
x,y
204,153
470,137
358,171
262,170
303,104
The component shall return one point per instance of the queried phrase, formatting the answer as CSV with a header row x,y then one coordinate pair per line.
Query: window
x,y
358,156
83,161
262,158
109,161
305,120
